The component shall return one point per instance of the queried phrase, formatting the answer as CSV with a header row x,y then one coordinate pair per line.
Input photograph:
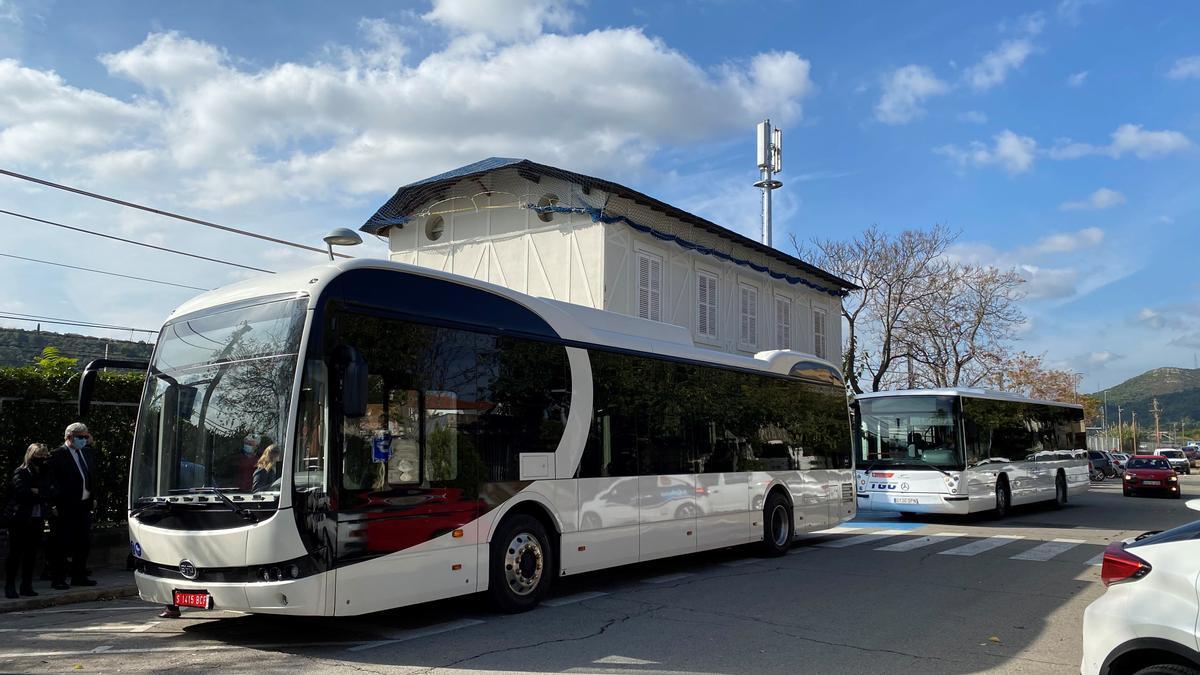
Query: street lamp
x,y
341,236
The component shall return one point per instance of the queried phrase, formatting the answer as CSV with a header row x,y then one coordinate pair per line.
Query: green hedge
x,y
36,406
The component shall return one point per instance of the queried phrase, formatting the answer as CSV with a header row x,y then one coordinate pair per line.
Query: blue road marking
x,y
887,525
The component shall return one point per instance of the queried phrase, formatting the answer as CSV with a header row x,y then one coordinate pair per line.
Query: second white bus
x,y
960,451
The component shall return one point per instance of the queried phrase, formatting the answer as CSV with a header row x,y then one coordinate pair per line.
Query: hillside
x,y
20,347
1177,390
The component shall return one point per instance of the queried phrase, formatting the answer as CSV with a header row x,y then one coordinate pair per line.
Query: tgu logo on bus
x,y
884,486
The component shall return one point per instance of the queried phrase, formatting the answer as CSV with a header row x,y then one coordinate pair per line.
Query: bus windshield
x,y
911,431
217,400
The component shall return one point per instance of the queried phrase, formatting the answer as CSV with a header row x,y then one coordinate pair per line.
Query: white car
x,y
1146,623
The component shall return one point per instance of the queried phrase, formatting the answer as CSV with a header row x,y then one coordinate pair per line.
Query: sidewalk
x,y
113,583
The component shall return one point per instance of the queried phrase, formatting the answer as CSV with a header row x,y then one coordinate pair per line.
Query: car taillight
x,y
1121,566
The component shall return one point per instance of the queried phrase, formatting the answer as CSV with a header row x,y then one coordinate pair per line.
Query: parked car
x,y
1150,473
1117,465
1178,460
1102,462
1193,455
1145,622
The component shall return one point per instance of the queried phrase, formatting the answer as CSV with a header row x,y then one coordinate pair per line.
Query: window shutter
x,y
783,323
706,305
748,333
649,287
819,347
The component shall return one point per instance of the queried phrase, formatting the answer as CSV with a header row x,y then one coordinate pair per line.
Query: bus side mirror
x,y
87,381
354,382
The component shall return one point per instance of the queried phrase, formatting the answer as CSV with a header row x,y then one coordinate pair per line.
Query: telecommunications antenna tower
x,y
770,162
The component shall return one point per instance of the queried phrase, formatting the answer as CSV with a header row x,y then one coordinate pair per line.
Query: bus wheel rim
x,y
779,525
524,563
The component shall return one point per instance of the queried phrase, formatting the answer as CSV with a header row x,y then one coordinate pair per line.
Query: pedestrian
x,y
267,469
72,466
30,494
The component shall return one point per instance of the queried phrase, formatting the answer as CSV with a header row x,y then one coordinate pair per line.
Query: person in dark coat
x,y
30,494
72,466
266,472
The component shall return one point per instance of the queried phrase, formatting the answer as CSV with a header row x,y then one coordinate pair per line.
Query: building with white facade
x,y
553,233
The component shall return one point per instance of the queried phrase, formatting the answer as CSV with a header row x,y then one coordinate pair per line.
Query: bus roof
x,y
575,323
969,392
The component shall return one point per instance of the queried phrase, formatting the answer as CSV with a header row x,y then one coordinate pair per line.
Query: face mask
x,y
248,449
79,443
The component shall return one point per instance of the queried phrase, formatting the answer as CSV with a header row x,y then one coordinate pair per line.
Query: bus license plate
x,y
199,599
1152,482
906,500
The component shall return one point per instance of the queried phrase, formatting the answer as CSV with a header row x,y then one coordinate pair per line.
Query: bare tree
x,y
897,274
958,333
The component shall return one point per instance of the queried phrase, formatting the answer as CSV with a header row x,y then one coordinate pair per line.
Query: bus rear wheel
x,y
521,564
1003,499
778,527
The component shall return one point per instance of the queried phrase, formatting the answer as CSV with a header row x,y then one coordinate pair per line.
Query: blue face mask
x,y
79,443
248,449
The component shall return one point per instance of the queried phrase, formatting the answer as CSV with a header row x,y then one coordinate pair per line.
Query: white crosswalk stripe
x,y
1098,559
981,545
862,539
920,542
1048,550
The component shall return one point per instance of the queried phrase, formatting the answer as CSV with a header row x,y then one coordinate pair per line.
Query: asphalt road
x,y
934,595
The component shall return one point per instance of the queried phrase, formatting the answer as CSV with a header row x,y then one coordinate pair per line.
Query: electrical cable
x,y
134,242
112,274
64,322
168,214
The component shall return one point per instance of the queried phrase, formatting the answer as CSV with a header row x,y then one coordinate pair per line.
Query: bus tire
x,y
1060,490
778,527
521,564
1003,498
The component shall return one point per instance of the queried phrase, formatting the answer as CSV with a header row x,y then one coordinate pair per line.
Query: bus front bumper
x,y
914,502
304,596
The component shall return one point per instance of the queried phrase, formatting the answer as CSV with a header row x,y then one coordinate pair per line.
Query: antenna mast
x,y
770,162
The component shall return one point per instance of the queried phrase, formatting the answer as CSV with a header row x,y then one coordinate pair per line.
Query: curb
x,y
69,598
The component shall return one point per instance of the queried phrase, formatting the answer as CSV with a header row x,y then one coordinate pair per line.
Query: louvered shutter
x,y
649,287
783,323
706,305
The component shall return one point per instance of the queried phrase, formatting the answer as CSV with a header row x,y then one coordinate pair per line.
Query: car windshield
x,y
216,404
1172,454
1148,464
908,430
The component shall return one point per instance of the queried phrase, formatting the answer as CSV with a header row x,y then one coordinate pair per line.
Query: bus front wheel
x,y
521,564
778,527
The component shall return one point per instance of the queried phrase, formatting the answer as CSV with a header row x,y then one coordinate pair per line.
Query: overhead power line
x,y
168,214
14,316
134,242
111,274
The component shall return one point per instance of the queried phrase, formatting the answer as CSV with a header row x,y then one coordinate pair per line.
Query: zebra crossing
x,y
897,540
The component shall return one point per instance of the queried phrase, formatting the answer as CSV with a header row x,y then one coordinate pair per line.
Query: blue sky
x,y
1061,138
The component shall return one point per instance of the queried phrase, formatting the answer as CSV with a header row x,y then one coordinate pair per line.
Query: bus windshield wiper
x,y
932,465
240,510
152,506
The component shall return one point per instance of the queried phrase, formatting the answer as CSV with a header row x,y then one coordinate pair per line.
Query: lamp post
x,y
341,236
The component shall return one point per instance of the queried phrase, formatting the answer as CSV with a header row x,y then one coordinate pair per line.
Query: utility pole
x,y
1135,445
1104,423
1156,411
1120,431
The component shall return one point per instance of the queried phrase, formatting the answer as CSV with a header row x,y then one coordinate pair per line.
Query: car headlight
x,y
1128,476
1175,478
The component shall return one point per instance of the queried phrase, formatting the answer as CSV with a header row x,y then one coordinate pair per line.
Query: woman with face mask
x,y
30,489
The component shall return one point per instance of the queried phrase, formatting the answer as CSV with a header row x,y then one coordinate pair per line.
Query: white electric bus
x,y
961,451
366,435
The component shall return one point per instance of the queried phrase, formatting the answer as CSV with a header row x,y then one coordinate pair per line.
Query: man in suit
x,y
72,466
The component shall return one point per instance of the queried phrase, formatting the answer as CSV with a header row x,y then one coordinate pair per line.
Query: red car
x,y
1150,473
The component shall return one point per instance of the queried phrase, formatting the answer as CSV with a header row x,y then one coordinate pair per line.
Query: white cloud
x,y
1068,10
995,66
1103,198
1185,68
904,90
1158,320
9,13
1127,139
1010,151
502,19
973,117
1077,79
1066,242
1100,359
221,133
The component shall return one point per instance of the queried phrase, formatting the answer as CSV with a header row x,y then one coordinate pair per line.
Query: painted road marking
x,y
861,539
4,656
405,636
919,542
668,578
977,547
1097,560
1048,550
889,524
838,530
572,599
